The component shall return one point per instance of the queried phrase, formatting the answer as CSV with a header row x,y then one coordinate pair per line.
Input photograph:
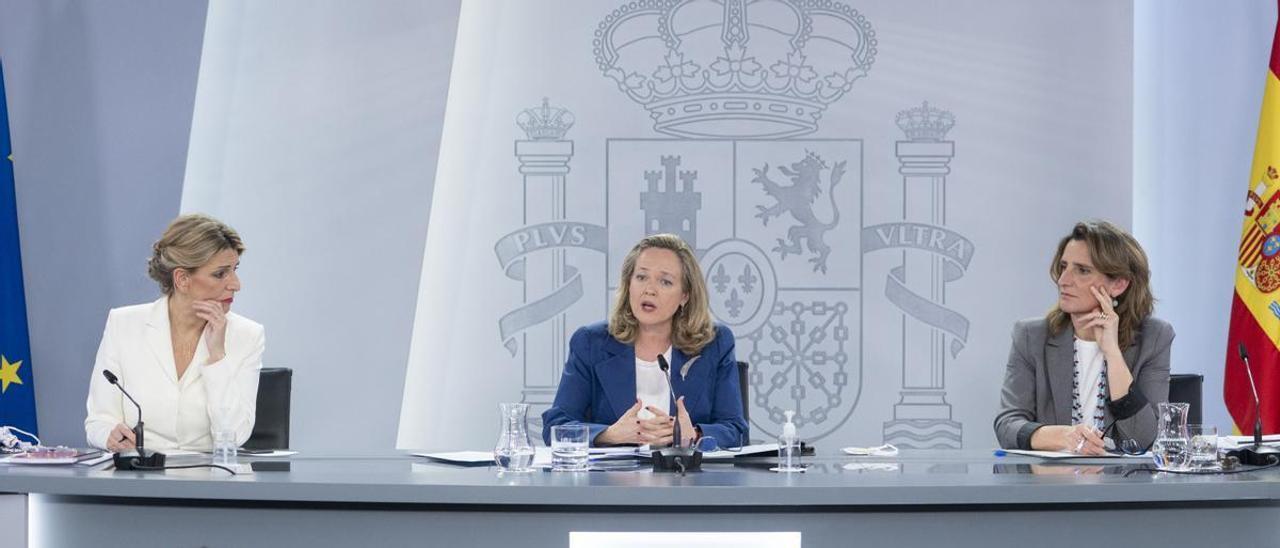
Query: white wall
x,y
315,134
1199,71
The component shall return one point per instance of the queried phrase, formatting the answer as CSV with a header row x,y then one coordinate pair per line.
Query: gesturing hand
x,y
687,431
658,429
215,327
120,439
627,429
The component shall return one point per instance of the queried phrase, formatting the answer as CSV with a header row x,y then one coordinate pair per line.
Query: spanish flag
x,y
1255,308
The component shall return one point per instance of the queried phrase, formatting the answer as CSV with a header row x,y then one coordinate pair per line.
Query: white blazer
x,y
177,413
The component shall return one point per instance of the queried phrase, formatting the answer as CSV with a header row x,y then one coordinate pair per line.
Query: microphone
x,y
676,458
1257,454
139,459
677,439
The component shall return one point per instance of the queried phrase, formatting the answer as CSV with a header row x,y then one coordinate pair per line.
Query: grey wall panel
x,y
100,99
315,134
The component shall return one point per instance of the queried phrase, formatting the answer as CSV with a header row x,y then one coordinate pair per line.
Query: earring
x,y
1115,303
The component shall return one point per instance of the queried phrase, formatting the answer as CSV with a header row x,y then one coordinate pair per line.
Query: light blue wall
x,y
1199,70
100,97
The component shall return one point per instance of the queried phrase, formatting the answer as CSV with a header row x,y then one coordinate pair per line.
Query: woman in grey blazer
x,y
1092,370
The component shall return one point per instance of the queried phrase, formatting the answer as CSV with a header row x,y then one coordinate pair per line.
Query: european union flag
x,y
17,386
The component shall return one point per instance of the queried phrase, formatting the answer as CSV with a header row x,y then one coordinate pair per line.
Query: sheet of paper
x,y
1065,455
756,449
96,459
620,450
267,453
460,457
1237,441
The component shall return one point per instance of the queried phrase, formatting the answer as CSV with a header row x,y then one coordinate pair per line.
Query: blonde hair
x,y
190,242
1116,254
691,327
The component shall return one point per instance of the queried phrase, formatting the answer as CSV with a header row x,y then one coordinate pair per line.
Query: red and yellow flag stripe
x,y
1255,307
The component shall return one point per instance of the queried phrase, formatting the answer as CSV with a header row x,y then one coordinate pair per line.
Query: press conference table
x,y
920,498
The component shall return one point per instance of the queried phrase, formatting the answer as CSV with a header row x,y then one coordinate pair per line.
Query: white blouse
x,y
651,386
177,412
1089,364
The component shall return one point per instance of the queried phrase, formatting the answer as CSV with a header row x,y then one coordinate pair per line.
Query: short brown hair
x,y
691,327
190,242
1116,254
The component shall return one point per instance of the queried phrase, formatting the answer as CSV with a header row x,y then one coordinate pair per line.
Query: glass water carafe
x,y
514,452
1171,451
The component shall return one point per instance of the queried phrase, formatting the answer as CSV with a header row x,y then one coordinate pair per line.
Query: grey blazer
x,y
1037,383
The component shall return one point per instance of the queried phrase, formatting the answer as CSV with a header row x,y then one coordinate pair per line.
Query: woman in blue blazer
x,y
613,382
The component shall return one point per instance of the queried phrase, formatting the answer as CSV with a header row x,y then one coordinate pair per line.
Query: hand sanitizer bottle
x,y
789,447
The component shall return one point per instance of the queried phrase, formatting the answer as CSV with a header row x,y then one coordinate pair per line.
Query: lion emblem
x,y
797,199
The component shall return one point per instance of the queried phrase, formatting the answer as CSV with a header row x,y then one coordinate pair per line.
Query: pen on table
x,y
999,453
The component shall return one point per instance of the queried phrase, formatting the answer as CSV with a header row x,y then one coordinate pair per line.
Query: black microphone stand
x,y
677,458
140,459
1256,454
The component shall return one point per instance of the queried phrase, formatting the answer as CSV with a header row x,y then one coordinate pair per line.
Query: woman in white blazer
x,y
188,360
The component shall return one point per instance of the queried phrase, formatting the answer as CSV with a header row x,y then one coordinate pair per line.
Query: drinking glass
x,y
1204,447
569,447
224,437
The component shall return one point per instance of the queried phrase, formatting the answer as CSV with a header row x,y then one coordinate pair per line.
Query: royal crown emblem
x,y
735,68
925,123
545,123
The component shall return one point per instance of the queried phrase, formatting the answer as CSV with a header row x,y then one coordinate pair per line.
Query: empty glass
x,y
514,451
1204,447
569,447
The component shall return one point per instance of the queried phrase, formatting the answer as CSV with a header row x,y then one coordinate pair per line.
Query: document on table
x,y
541,457
267,453
759,449
464,458
1240,441
1059,455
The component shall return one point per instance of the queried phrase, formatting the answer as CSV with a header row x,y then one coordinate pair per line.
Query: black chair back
x,y
746,393
271,426
1187,388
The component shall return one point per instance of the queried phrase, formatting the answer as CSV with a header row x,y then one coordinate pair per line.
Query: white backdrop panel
x,y
315,133
932,246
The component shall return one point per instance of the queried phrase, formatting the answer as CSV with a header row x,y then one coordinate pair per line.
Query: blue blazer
x,y
599,385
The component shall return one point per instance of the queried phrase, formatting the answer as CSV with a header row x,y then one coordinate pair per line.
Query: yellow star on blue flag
x,y
8,373
17,390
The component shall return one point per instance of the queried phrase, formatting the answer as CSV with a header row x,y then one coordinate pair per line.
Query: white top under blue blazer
x,y
599,385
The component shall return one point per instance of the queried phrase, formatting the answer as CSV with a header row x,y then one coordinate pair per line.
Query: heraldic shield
x,y
776,227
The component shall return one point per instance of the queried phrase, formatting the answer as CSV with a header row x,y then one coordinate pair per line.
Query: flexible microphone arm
x,y
138,459
1257,454
1257,403
677,439
137,429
